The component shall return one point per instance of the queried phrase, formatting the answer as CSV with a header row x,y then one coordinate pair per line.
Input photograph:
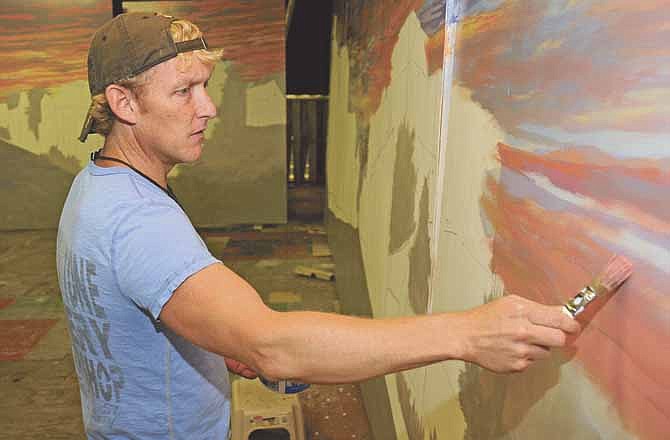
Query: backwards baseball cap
x,y
126,46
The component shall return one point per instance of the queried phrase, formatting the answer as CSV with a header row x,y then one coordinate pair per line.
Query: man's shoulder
x,y
104,201
119,187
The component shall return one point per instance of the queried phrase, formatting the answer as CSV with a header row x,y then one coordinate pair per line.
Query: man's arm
x,y
219,311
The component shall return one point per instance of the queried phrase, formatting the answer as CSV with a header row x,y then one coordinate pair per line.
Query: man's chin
x,y
194,152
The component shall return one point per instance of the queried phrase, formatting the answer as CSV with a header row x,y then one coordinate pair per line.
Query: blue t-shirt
x,y
124,246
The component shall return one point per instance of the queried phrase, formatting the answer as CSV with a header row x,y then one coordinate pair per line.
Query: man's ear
x,y
122,102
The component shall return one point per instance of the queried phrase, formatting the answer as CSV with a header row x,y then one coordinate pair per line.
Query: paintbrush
x,y
617,270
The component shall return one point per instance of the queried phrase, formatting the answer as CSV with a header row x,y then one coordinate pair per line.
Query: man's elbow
x,y
271,355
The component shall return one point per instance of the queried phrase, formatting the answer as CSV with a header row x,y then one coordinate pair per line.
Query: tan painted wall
x,y
383,141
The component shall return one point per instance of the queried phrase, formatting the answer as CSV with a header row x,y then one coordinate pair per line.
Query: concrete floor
x,y
37,378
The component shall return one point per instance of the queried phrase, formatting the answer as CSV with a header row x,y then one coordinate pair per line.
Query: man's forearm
x,y
327,348
219,311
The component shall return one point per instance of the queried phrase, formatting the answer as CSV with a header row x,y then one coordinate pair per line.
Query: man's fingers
x,y
552,316
538,352
546,336
232,365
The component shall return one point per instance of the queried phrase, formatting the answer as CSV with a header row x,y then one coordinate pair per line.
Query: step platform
x,y
261,414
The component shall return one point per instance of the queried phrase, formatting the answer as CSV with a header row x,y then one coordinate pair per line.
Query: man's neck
x,y
129,151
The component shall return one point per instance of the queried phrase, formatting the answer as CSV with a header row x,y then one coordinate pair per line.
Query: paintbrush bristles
x,y
617,270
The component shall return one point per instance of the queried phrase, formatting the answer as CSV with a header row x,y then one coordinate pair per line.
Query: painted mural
x,y
571,98
383,142
44,95
556,155
43,99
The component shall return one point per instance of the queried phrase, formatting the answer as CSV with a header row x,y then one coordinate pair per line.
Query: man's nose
x,y
206,107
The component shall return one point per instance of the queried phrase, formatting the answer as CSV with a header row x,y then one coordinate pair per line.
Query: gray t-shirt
x,y
124,246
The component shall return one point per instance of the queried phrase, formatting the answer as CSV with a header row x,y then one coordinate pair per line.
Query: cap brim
x,y
88,127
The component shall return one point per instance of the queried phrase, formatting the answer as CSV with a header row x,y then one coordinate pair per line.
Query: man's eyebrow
x,y
190,78
181,81
191,81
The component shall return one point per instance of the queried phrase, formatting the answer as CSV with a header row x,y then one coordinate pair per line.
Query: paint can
x,y
284,386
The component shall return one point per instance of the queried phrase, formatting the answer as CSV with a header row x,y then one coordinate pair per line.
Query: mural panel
x,y
44,96
556,156
565,138
43,99
386,94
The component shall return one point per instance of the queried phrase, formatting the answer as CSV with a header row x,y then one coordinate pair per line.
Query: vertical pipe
x,y
296,140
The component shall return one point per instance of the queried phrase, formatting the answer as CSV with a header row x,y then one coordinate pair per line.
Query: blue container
x,y
284,386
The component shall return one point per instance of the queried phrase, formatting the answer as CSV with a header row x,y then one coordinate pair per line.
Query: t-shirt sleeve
x,y
154,249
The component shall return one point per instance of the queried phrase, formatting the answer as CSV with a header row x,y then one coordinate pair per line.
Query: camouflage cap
x,y
128,45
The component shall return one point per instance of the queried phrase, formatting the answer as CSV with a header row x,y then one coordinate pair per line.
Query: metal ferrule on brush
x,y
579,302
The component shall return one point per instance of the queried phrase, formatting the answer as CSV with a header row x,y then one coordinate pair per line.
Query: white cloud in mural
x,y
652,253
619,143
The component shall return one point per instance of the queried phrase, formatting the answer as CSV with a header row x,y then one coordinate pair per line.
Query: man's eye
x,y
184,91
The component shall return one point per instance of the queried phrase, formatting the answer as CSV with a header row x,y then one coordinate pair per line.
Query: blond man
x,y
156,320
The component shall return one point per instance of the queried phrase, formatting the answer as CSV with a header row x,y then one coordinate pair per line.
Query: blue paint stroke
x,y
454,11
431,15
475,7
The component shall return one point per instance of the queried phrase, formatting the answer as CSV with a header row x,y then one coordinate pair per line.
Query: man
x,y
152,314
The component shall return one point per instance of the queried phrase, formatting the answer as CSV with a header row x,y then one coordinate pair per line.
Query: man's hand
x,y
240,368
509,334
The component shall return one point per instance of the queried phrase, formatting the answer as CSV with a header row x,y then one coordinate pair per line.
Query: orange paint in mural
x,y
436,51
250,33
546,250
16,17
371,58
48,47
